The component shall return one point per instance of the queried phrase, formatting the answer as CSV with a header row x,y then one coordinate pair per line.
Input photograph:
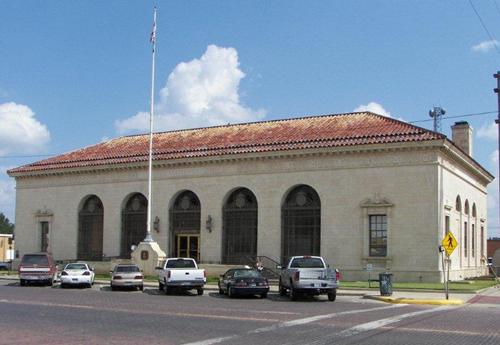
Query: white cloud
x,y
374,107
488,131
20,131
494,157
485,46
201,92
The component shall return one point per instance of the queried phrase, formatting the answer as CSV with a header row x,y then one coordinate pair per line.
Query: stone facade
x,y
415,184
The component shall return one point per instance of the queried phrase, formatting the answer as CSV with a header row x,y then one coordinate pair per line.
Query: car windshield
x,y
75,267
180,263
31,259
126,269
246,274
307,263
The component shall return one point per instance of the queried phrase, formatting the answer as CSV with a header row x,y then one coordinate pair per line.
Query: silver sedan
x,y
127,275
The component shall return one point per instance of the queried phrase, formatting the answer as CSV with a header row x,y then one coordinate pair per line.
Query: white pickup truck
x,y
308,275
181,274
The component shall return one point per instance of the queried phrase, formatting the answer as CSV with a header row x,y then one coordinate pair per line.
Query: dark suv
x,y
37,267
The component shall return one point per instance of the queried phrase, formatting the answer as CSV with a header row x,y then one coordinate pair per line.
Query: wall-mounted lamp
x,y
208,223
156,224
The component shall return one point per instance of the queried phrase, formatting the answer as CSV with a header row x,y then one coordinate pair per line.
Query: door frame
x,y
189,236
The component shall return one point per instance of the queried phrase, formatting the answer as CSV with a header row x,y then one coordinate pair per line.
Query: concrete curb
x,y
340,292
403,300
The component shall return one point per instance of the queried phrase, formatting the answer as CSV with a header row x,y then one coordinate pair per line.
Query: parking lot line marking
x,y
143,312
293,323
307,320
213,340
445,331
369,326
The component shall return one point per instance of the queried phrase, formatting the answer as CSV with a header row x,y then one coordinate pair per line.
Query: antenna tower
x,y
436,113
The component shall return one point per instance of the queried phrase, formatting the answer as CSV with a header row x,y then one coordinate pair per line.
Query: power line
x,y
416,121
494,41
27,156
496,6
456,116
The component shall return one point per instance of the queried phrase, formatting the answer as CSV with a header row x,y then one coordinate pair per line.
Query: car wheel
x,y
293,293
200,291
230,292
141,287
113,288
281,289
221,292
89,285
22,282
63,286
263,295
50,282
332,295
166,290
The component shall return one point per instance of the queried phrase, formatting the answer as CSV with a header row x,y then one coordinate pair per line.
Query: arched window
x,y
134,223
185,217
239,232
90,230
458,204
301,223
473,231
466,228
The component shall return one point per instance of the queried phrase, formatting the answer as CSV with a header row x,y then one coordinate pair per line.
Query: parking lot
x,y
51,315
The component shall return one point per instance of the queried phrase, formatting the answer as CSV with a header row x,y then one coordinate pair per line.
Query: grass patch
x,y
465,286
7,273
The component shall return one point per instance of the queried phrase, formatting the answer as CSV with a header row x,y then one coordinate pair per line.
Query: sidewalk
x,y
404,297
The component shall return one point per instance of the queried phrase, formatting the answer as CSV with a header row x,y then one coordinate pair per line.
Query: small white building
x,y
356,188
6,248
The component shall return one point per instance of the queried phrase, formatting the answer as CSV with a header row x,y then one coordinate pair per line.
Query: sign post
x,y
448,245
369,268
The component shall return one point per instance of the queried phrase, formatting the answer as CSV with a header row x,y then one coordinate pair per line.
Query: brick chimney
x,y
462,136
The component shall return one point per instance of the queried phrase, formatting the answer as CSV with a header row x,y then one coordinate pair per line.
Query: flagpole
x,y
151,116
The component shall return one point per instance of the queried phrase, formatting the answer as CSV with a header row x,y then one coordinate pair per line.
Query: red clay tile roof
x,y
280,135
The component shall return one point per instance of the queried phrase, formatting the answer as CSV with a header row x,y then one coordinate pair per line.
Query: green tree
x,y
6,227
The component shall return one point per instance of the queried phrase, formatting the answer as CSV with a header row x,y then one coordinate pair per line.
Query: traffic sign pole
x,y
445,281
448,245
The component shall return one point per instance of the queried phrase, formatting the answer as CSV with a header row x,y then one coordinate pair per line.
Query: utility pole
x,y
497,121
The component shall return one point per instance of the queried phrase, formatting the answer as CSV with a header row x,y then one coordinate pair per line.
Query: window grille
x,y
239,233
301,223
378,235
90,230
134,223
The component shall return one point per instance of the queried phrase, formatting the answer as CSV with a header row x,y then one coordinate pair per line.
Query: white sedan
x,y
78,273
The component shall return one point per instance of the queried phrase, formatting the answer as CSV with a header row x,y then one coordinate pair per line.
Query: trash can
x,y
385,284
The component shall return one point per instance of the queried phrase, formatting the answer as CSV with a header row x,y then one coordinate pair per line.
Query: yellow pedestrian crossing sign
x,y
449,243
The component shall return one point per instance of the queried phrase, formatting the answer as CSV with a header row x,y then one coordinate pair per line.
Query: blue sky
x,y
77,72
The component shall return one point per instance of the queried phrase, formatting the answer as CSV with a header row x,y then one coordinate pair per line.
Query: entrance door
x,y
187,246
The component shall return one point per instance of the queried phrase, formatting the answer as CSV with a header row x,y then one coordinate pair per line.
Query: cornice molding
x,y
470,165
261,156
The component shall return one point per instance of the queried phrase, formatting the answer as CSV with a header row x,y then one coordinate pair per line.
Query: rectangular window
x,y
446,225
378,235
473,241
466,230
482,242
44,236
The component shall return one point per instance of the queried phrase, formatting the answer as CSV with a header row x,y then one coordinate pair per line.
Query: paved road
x,y
45,315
